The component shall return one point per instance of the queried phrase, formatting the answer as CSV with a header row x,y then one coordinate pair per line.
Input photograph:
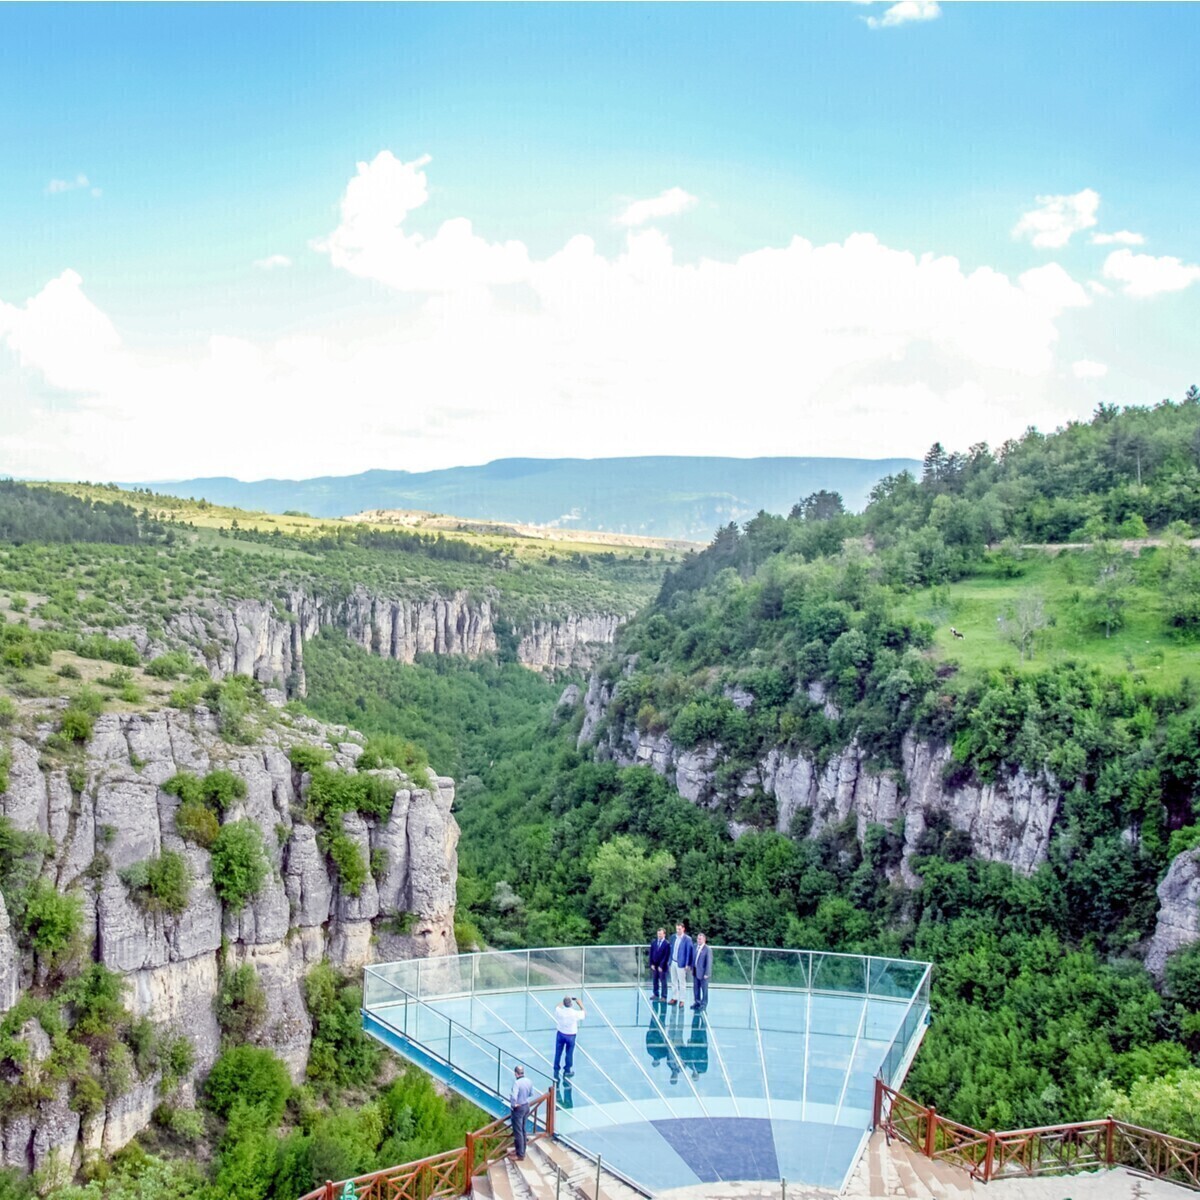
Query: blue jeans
x,y
561,1040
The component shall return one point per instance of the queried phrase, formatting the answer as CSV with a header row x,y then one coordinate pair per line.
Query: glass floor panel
x,y
767,1082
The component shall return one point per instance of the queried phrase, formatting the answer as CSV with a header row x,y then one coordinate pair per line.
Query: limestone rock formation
x,y
301,915
1008,821
1178,921
265,639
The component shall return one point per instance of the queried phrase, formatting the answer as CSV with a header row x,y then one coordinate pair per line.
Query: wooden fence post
x,y
877,1111
468,1163
1109,1138
550,1110
931,1132
329,1189
990,1158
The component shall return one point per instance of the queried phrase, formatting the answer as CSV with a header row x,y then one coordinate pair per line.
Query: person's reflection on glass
x,y
696,1049
656,1043
677,1049
565,1097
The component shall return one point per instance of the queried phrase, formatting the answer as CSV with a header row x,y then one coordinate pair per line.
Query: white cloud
x,y
1085,368
1147,275
850,347
906,11
1053,287
273,262
1056,218
670,203
80,183
370,242
1123,237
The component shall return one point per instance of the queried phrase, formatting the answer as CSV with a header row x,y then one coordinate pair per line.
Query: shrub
x,y
187,695
197,823
161,884
186,1124
308,758
176,1058
240,1003
186,786
52,923
121,651
239,863
221,788
341,1054
250,1076
76,725
168,666
69,671
8,712
348,858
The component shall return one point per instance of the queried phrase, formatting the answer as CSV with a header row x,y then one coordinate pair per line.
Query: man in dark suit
x,y
701,971
660,964
682,954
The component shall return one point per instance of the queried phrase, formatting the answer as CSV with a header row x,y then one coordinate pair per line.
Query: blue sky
x,y
136,328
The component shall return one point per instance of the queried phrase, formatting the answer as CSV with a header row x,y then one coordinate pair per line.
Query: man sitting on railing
x,y
518,1099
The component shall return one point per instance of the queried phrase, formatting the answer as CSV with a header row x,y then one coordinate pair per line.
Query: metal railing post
x,y
474,972
582,967
783,1189
527,958
599,1160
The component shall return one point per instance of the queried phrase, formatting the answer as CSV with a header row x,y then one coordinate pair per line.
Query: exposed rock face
x,y
1008,821
301,915
266,639
1178,921
571,642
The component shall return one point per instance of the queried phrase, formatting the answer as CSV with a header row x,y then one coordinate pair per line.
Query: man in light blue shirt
x,y
682,957
518,1099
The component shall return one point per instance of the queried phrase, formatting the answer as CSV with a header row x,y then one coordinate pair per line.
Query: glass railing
x,y
600,966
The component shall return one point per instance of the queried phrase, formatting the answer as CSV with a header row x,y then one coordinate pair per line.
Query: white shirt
x,y
567,1019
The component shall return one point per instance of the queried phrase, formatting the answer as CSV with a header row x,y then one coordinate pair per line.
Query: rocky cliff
x,y
265,639
109,812
1008,821
1178,921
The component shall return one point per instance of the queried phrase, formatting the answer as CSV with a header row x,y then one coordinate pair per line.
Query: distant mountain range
x,y
669,497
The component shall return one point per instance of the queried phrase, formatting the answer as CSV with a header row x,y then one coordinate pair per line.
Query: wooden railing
x,y
1047,1150
443,1175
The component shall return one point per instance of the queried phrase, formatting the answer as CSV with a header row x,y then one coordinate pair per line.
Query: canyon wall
x,y
109,812
265,639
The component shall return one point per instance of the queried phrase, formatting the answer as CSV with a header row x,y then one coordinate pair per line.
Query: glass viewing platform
x,y
775,1079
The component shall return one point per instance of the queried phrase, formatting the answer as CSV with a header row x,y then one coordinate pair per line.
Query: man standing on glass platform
x,y
566,1020
701,971
682,954
660,964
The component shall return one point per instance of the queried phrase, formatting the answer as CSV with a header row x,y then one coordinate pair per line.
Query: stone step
x,y
497,1174
580,1173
